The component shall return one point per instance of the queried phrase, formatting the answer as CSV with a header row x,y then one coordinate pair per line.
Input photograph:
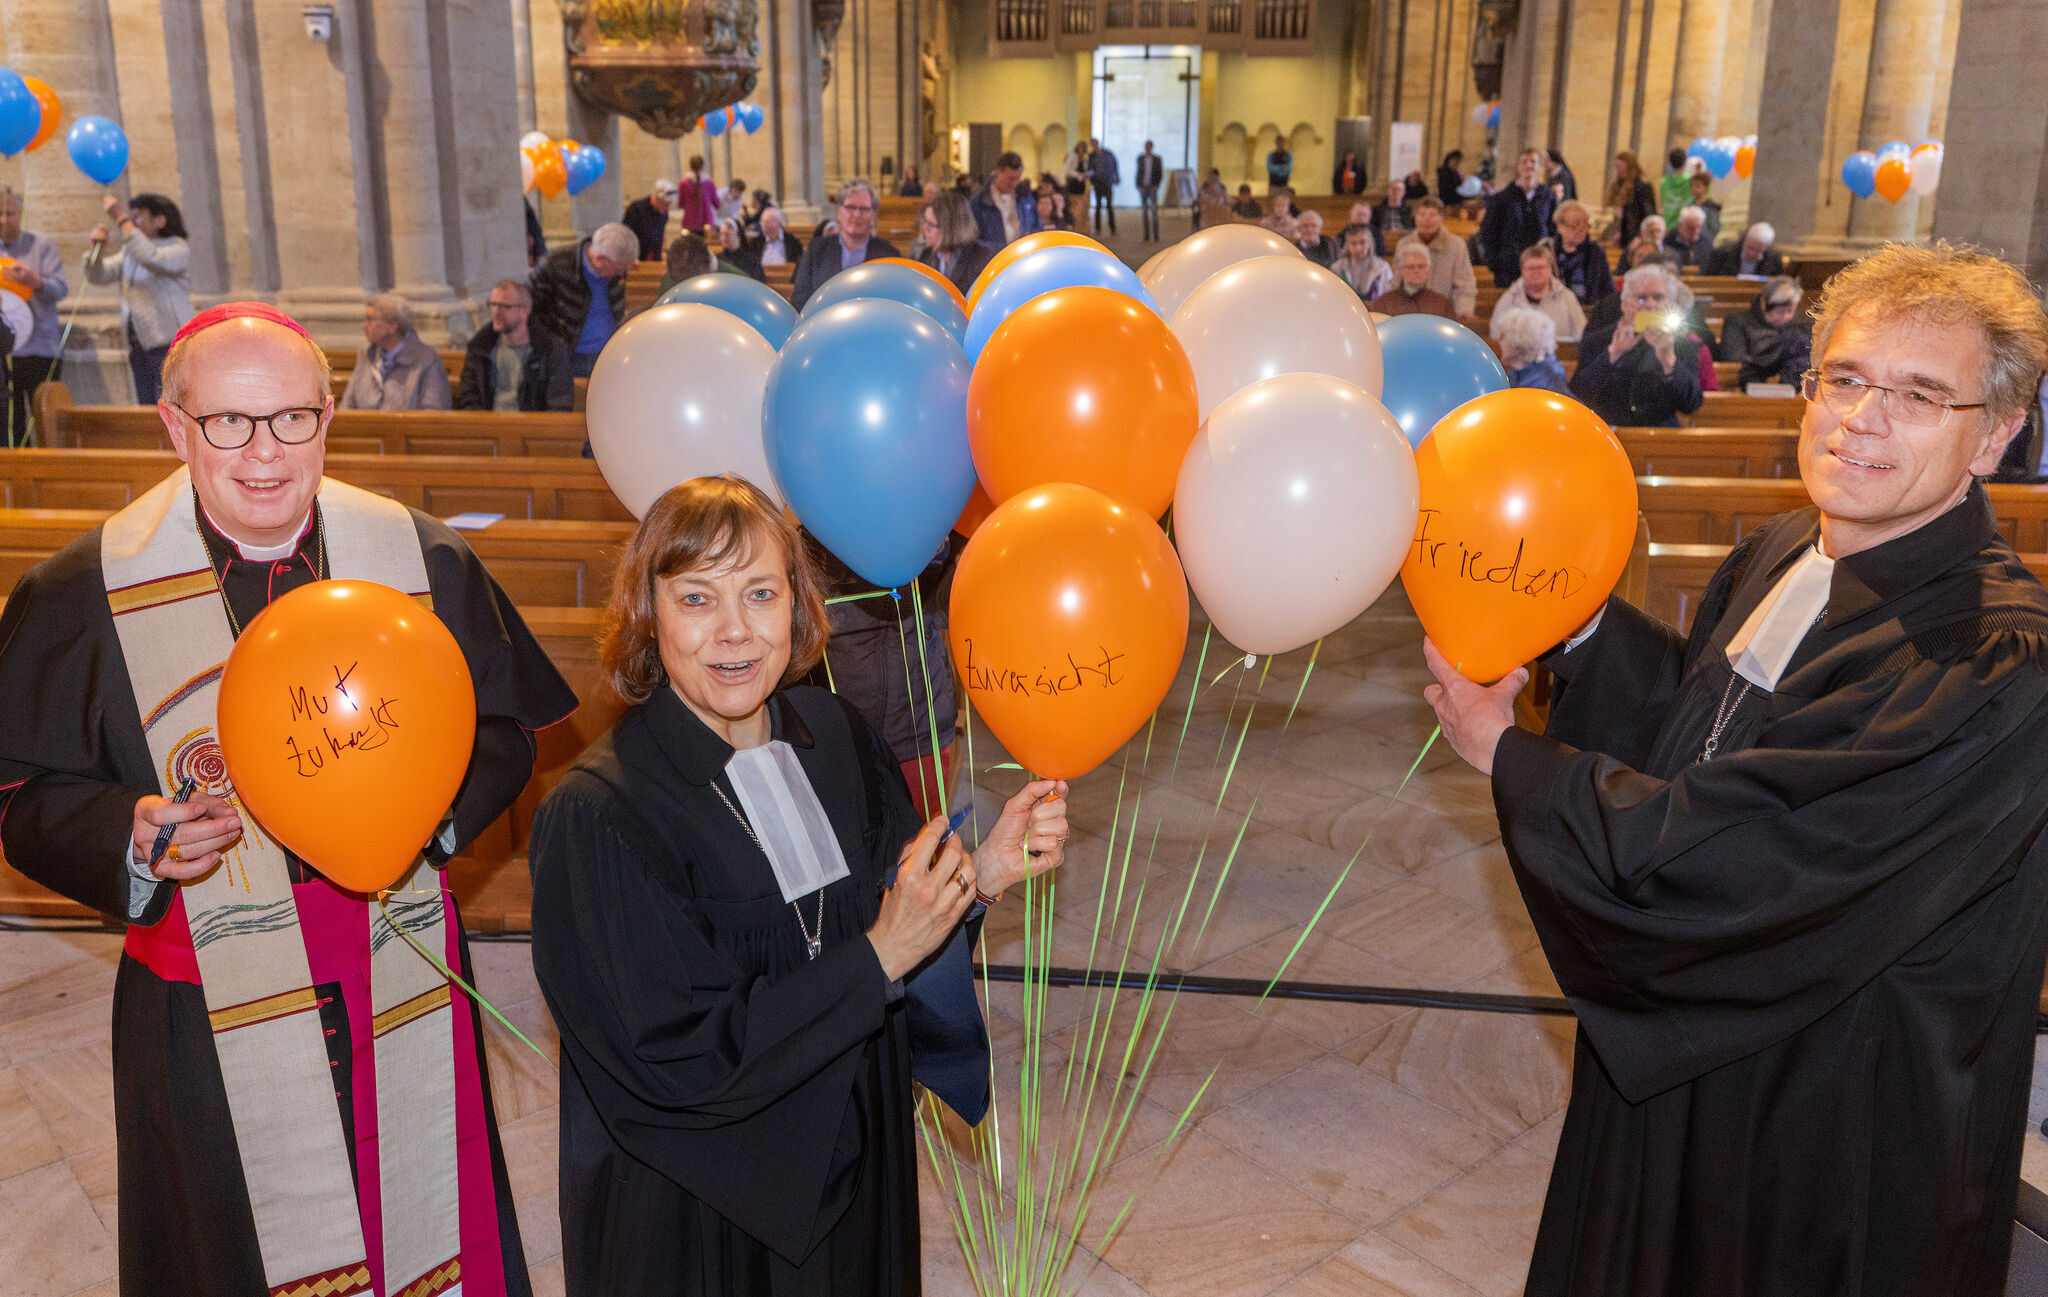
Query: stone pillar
x,y
1795,165
522,63
1702,56
603,201
790,92
1994,179
1898,101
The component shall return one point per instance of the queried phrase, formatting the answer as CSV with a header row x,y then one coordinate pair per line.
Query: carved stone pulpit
x,y
663,63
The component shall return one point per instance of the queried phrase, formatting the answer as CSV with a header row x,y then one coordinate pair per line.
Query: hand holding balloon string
x,y
1473,716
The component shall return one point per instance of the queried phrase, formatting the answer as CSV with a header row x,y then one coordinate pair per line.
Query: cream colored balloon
x,y
1205,252
1152,263
1271,316
1379,318
676,394
1295,507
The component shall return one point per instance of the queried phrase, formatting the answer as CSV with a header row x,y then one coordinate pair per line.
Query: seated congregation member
x,y
1281,218
1394,217
1359,266
1538,290
688,256
1411,293
1771,340
734,256
579,292
1649,241
1309,237
1450,261
1710,207
648,218
1055,205
1689,242
1581,262
398,370
775,245
1641,378
1753,256
1528,351
273,1133
736,910
953,241
854,242
1005,209
512,364
1246,208
1788,868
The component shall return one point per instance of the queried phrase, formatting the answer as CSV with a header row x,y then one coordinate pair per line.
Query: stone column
x,y
522,63
790,91
1994,179
1898,101
1795,164
1702,56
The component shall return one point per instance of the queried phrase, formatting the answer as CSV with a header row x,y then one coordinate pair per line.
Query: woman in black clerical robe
x,y
742,992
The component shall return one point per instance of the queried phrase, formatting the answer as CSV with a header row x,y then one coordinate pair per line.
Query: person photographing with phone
x,y
1643,371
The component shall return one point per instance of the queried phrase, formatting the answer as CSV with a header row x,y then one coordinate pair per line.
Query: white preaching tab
x,y
787,818
1771,635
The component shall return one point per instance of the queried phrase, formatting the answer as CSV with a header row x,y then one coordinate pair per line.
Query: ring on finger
x,y
962,881
174,853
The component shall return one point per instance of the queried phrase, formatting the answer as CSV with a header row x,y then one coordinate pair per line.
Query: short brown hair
x,y
1430,201
707,522
1943,283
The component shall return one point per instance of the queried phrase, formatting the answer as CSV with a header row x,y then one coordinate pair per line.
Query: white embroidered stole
x,y
175,638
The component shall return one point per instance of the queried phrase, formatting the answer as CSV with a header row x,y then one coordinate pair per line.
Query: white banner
x,y
1404,149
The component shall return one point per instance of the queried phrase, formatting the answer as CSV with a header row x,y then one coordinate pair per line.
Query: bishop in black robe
x,y
1806,972
73,763
736,1117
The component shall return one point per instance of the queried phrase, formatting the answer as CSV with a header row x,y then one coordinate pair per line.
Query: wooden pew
x,y
342,360
1711,452
1678,577
540,562
1736,410
1721,510
643,285
359,432
518,487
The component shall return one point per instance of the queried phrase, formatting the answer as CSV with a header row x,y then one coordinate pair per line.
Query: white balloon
x,y
1926,171
1296,505
1378,318
533,139
525,173
1205,252
676,394
1275,315
1152,264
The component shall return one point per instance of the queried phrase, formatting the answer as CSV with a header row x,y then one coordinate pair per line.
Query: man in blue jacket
x,y
1103,175
1004,209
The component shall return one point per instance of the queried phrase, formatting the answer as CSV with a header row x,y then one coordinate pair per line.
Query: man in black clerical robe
x,y
78,780
1786,869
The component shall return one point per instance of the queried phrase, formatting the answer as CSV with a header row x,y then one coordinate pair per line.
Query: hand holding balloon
x,y
1029,837
205,826
1473,716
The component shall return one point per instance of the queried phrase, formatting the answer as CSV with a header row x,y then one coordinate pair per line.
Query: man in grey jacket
x,y
398,370
39,267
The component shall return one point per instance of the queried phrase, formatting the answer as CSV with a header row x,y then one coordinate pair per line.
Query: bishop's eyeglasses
x,y
232,430
1841,394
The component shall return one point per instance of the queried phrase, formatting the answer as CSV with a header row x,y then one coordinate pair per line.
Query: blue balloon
x,y
1433,366
99,147
582,167
751,117
1720,161
20,115
750,299
1493,117
1701,148
865,423
714,123
891,284
1037,273
1894,149
1859,172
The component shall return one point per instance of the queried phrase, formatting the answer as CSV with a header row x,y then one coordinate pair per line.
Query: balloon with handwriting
x,y
1295,508
742,295
346,717
1276,315
865,423
1206,252
1069,618
890,284
929,272
1082,385
1528,514
1433,366
1024,247
677,394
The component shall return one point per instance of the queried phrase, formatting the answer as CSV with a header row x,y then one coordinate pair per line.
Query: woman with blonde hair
x,y
1629,197
952,241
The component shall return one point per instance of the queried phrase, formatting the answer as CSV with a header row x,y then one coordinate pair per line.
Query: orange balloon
x,y
1068,621
53,112
1030,243
346,718
1894,177
549,175
928,272
1083,385
979,507
14,286
1528,515
1745,160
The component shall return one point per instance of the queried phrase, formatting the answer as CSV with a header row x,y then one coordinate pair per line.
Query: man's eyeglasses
x,y
857,208
1902,405
232,430
510,306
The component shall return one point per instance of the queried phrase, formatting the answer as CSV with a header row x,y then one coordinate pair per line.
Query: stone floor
x,y
1336,1149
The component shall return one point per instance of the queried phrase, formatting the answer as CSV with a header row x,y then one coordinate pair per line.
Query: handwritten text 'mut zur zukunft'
x,y
1471,565
1099,671
366,728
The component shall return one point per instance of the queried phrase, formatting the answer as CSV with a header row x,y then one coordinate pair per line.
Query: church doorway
x,y
1147,92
